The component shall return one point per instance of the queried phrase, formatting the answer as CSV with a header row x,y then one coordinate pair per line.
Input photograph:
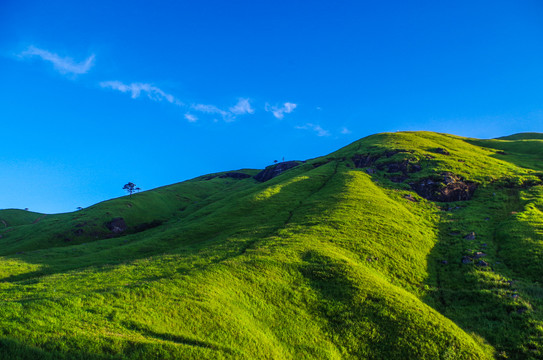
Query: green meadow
x,y
331,259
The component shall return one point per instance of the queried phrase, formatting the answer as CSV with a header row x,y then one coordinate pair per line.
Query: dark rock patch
x,y
371,171
470,236
410,198
441,151
482,263
467,260
116,225
273,170
405,167
235,175
364,160
478,254
501,152
449,187
398,178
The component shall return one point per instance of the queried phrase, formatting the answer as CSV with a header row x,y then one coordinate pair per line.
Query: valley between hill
x,y
409,245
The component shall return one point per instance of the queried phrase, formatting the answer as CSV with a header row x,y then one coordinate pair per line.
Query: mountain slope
x,y
361,253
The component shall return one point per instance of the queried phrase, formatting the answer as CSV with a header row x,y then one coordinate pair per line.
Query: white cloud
x,y
316,128
242,107
345,131
64,65
136,89
190,117
279,112
212,109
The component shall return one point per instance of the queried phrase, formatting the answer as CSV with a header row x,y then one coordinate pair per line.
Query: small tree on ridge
x,y
130,187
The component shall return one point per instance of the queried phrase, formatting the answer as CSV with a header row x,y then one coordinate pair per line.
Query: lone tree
x,y
130,187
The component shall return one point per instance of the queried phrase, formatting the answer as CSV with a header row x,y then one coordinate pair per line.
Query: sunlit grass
x,y
323,262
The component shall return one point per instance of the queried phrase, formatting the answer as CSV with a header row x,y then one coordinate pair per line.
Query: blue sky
x,y
96,94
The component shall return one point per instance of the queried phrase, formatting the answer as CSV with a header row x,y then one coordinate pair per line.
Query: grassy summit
x,y
348,255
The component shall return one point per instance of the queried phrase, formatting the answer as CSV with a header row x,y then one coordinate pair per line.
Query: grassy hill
x,y
410,245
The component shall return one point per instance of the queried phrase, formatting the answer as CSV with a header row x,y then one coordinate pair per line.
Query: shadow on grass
x,y
479,296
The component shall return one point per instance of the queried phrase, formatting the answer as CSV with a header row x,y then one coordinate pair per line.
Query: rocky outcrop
x,y
441,151
273,170
235,175
116,225
448,187
364,160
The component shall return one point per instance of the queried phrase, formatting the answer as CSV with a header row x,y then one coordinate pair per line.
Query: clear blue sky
x,y
95,94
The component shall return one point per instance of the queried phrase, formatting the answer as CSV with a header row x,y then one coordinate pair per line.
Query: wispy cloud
x,y
279,112
190,117
212,109
65,65
242,107
316,128
345,131
137,89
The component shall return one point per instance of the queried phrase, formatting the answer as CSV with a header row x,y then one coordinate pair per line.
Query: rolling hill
x,y
408,245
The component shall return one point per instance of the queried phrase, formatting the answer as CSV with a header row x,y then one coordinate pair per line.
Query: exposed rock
x,y
398,178
371,171
478,254
470,236
441,151
449,187
364,160
482,263
410,198
466,260
405,167
116,225
235,175
273,170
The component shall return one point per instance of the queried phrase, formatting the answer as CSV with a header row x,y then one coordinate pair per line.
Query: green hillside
x,y
409,245
523,136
